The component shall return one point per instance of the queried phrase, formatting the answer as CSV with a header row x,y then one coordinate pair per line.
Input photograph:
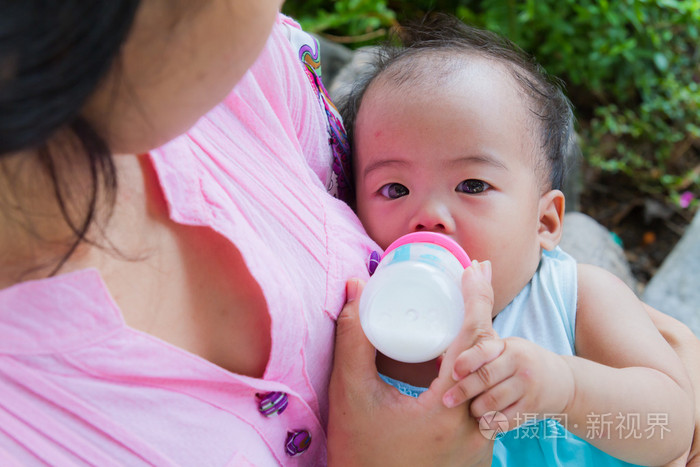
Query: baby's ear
x,y
551,212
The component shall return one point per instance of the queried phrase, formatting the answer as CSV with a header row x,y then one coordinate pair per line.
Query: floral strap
x,y
340,185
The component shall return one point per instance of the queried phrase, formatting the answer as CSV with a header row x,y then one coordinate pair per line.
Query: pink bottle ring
x,y
436,239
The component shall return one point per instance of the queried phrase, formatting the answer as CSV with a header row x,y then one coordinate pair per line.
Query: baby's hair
x,y
447,42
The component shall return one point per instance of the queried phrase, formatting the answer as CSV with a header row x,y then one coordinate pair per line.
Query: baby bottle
x,y
411,308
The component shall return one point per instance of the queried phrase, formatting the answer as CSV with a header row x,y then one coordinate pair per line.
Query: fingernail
x,y
486,270
448,400
351,289
476,267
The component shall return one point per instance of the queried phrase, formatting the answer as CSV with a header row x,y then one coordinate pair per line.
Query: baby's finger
x,y
517,414
505,398
480,354
480,381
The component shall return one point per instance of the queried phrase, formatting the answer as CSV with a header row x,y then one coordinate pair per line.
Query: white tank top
x,y
544,312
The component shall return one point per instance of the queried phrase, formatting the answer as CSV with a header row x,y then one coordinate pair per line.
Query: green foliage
x,y
632,71
359,21
631,68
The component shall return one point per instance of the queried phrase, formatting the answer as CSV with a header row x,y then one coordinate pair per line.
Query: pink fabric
x,y
79,387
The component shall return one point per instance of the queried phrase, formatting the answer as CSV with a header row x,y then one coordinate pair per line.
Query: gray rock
x,y
591,243
675,288
349,74
573,178
334,57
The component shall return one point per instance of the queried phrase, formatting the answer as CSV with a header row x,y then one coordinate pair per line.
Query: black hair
x,y
447,38
53,55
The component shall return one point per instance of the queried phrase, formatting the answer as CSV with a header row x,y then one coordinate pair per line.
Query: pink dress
x,y
79,387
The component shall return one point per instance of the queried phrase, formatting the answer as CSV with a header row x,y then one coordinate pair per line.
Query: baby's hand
x,y
512,376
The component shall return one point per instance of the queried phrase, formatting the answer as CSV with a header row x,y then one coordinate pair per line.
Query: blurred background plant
x,y
632,71
352,22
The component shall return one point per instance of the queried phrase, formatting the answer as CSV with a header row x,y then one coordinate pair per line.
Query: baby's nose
x,y
433,216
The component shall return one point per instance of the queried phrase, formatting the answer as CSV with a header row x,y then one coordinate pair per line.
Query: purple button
x,y
297,442
272,403
373,262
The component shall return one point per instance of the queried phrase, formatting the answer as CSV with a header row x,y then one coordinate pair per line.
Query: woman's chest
x,y
195,292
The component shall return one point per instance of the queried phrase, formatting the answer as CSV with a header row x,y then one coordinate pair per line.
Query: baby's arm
x,y
637,373
626,391
687,347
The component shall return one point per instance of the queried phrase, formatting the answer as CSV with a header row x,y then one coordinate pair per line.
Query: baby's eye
x,y
473,186
393,190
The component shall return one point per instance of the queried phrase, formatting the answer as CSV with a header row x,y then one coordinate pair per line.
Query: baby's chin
x,y
496,312
501,301
502,298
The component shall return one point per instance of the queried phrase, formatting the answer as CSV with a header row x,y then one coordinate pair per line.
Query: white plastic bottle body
x,y
412,307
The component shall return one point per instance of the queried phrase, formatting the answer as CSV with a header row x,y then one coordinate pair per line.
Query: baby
x,y
459,132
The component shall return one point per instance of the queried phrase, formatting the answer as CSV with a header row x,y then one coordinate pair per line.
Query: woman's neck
x,y
35,236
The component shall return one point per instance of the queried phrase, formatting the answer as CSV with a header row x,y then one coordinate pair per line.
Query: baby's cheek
x,y
378,226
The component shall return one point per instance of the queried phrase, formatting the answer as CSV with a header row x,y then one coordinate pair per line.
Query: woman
x,y
188,316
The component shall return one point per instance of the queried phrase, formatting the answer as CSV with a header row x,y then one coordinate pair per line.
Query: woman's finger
x,y
354,359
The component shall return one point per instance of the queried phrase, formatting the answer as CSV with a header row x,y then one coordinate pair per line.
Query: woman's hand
x,y
371,423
